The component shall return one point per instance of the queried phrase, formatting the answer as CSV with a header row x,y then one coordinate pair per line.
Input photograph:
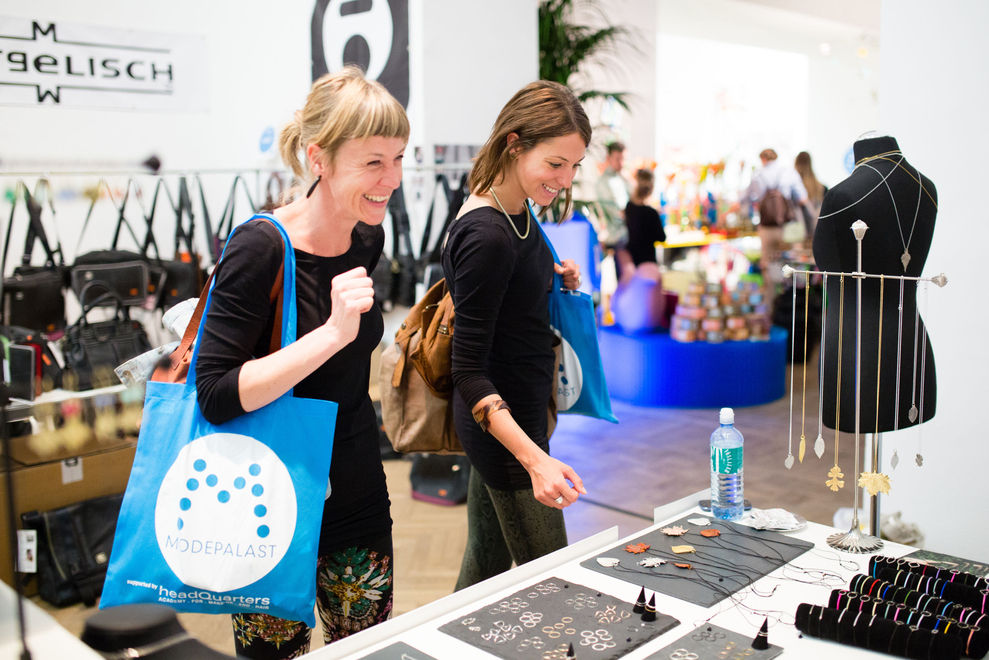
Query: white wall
x,y
841,101
933,102
466,59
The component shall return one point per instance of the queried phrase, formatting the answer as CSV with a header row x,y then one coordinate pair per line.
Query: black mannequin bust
x,y
899,205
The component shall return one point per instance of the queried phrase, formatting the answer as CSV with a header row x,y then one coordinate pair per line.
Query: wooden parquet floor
x,y
654,456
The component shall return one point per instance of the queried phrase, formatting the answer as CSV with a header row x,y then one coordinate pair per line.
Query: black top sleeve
x,y
239,316
481,260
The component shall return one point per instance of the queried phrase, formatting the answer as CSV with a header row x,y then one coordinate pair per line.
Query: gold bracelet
x,y
482,415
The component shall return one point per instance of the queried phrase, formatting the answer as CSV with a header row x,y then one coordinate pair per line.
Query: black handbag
x,y
47,371
33,296
74,545
131,275
440,479
92,350
184,276
218,238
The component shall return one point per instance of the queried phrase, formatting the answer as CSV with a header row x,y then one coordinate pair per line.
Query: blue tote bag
x,y
225,518
580,385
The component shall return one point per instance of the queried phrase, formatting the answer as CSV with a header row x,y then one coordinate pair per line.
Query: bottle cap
x,y
727,416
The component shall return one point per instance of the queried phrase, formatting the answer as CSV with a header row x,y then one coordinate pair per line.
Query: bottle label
x,y
727,460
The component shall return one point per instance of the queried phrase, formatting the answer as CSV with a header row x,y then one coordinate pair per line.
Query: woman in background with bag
x,y
499,271
353,134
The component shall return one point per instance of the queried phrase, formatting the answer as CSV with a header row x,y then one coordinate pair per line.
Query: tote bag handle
x,y
289,325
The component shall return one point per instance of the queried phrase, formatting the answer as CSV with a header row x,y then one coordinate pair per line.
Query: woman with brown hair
x,y
499,271
815,191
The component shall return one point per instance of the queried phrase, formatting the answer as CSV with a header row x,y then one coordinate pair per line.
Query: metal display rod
x,y
854,540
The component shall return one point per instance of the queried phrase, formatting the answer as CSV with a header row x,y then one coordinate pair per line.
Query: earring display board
x,y
543,620
398,651
699,563
711,642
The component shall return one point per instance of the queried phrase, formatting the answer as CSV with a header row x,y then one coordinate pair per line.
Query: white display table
x,y
419,628
46,639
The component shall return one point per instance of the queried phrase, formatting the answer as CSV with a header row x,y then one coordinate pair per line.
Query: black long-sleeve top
x,y
238,328
502,343
644,229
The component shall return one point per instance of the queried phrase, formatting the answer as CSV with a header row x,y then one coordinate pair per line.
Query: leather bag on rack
x,y
34,296
74,545
183,274
132,276
92,350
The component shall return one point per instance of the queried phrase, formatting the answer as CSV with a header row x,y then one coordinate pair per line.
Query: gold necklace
x,y
911,175
835,481
528,217
803,397
866,159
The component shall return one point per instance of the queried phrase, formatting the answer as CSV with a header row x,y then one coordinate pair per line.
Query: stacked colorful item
x,y
707,313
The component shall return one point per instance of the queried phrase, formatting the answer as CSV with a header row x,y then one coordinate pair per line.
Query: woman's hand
x,y
570,272
351,294
550,485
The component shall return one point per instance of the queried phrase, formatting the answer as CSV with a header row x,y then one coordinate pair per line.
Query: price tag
x,y
27,551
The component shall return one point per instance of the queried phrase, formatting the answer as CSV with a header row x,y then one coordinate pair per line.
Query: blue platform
x,y
654,370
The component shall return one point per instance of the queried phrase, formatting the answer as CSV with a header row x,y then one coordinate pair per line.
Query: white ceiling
x,y
859,13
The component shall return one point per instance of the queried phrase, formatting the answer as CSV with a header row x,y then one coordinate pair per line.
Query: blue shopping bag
x,y
580,385
224,518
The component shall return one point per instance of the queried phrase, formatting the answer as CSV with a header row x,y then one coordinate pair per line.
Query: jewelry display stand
x,y
854,540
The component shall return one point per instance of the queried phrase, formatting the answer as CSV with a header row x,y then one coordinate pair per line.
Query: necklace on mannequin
x,y
528,217
905,257
873,189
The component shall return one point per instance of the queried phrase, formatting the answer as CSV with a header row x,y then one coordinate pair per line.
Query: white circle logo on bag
x,y
225,513
569,377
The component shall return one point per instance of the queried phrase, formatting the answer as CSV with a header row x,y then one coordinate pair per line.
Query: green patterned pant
x,y
353,592
505,526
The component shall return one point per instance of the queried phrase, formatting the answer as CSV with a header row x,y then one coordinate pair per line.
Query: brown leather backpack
x,y
775,209
416,382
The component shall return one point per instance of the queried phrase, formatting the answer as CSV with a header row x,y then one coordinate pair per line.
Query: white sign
x,y
48,63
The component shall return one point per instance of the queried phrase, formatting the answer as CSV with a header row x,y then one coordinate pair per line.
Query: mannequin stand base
x,y
855,541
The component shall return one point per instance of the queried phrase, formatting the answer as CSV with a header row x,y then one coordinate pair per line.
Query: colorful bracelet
x,y
482,415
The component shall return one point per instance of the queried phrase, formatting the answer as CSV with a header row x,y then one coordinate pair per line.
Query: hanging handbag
x,y
580,385
73,548
132,276
33,296
224,518
92,350
183,275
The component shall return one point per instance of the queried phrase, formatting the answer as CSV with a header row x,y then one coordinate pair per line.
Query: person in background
x,y
778,183
815,191
612,193
499,271
642,221
347,142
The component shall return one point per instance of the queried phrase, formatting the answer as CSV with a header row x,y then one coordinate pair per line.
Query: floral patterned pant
x,y
354,590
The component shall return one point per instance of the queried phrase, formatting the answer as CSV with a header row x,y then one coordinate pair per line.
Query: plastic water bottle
x,y
727,498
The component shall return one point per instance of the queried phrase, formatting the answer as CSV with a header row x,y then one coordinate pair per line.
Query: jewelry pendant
x,y
912,415
819,446
920,460
803,448
905,259
895,460
835,482
788,463
874,482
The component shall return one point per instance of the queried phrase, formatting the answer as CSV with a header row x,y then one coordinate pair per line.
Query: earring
x,y
312,188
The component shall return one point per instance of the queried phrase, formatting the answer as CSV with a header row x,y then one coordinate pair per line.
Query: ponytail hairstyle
x,y
341,106
643,185
539,111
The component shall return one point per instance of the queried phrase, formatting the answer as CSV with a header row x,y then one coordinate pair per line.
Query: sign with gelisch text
x,y
60,64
